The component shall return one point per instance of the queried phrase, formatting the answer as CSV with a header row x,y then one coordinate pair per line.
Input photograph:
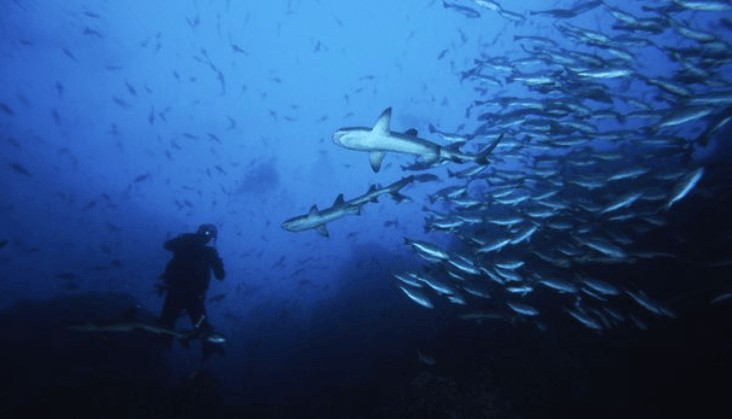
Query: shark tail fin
x,y
482,157
398,186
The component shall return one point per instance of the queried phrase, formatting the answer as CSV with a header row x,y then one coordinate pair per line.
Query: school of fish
x,y
595,154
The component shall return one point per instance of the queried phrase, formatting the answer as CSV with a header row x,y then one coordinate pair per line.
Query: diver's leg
x,y
196,307
197,311
172,307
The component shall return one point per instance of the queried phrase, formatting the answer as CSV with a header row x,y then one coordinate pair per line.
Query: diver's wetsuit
x,y
187,276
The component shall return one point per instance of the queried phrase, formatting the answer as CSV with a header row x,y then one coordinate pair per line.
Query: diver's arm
x,y
184,240
217,265
175,243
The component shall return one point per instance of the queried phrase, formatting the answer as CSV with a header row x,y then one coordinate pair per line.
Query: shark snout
x,y
338,136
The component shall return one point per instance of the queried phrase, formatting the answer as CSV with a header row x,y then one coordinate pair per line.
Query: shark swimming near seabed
x,y
183,337
380,139
317,219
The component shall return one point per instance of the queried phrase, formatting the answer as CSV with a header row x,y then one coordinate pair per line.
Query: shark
x,y
317,219
376,190
183,337
380,139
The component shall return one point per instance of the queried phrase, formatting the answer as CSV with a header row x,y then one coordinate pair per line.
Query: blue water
x,y
124,124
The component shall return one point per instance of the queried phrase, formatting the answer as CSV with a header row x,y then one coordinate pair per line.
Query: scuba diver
x,y
186,279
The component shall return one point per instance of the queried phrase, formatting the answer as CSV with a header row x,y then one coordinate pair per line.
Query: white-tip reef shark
x,y
380,139
183,337
317,219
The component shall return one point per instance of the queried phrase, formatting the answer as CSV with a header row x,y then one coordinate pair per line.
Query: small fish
x,y
622,201
721,297
601,286
584,319
56,117
569,13
18,168
92,32
493,246
70,55
142,177
214,138
131,89
683,115
426,359
523,309
5,108
120,102
704,5
559,285
426,177
684,186
427,249
417,297
237,49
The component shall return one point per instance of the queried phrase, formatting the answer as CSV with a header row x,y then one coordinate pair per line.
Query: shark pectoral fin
x,y
322,230
375,158
353,209
382,124
433,155
399,198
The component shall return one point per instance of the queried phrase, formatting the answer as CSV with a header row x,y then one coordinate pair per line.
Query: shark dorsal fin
x,y
338,201
411,132
372,190
383,123
313,210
